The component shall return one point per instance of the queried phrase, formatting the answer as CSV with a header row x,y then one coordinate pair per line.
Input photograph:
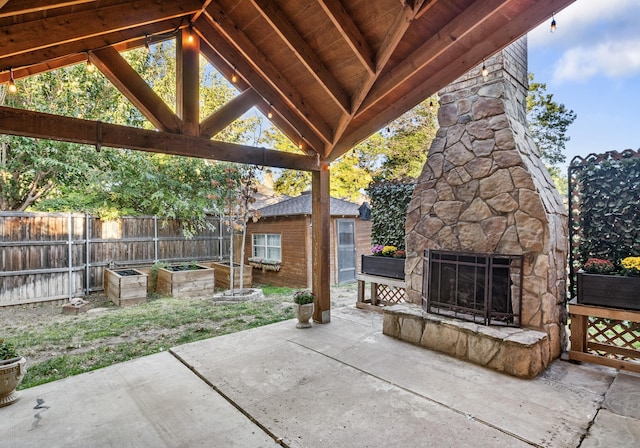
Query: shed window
x,y
267,245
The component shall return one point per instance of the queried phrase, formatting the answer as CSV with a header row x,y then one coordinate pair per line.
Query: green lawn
x,y
57,347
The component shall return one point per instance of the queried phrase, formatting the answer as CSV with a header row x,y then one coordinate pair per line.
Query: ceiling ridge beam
x,y
228,113
63,29
292,38
76,130
432,48
118,71
263,105
261,65
391,41
350,32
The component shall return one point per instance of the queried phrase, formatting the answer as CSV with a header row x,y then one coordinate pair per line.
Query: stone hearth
x,y
484,189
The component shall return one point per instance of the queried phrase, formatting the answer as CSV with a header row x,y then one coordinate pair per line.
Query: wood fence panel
x,y
52,256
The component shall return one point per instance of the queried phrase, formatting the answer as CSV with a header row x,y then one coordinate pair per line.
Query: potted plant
x,y
385,261
303,307
600,283
12,370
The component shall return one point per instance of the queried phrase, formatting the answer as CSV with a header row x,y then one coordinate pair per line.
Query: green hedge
x,y
389,202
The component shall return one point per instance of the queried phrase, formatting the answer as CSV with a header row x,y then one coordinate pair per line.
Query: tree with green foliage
x,y
397,151
548,122
57,176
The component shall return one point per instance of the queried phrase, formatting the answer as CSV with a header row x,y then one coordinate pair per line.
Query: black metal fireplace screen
x,y
481,288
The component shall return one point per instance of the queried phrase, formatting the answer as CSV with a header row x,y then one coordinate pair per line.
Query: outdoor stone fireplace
x,y
485,190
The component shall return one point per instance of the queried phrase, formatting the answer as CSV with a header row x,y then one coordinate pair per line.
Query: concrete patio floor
x,y
338,385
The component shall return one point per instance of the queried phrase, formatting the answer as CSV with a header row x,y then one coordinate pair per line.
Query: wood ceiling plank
x,y
258,69
118,38
228,113
350,32
463,24
25,37
290,36
29,6
55,127
132,86
44,67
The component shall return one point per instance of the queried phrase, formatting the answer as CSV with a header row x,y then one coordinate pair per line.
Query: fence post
x,y
155,239
87,259
70,254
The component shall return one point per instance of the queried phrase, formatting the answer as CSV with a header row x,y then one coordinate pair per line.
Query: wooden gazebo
x,y
331,72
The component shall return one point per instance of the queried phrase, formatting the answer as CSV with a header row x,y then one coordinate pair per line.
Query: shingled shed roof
x,y
301,205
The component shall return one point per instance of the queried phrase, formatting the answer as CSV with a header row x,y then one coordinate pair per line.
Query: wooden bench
x,y
375,281
591,334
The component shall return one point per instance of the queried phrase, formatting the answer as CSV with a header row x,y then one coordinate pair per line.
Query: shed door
x,y
346,250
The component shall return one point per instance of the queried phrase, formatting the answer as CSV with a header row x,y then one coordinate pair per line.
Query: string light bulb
x,y
431,105
234,77
485,72
554,25
270,113
146,43
90,67
12,84
190,33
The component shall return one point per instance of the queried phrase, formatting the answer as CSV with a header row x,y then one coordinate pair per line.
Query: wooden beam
x,y
75,130
262,66
290,36
469,20
349,32
24,37
135,89
263,105
265,88
444,69
321,244
188,80
228,113
116,38
29,6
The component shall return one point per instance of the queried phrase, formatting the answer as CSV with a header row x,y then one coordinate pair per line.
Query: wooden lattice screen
x,y
576,231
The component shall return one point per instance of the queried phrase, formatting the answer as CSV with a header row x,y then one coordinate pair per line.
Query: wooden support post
x,y
321,235
188,81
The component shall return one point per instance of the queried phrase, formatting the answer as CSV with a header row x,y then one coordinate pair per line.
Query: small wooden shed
x,y
283,234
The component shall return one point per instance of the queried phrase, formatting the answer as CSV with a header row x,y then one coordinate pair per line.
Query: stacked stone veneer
x,y
485,189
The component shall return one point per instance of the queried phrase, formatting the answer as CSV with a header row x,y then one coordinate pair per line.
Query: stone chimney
x,y
485,189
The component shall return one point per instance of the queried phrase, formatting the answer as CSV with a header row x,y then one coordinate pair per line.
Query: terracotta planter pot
x,y
303,313
611,291
11,374
383,266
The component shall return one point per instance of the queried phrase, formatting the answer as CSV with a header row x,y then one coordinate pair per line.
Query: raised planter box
x,y
125,287
223,274
180,281
611,291
383,266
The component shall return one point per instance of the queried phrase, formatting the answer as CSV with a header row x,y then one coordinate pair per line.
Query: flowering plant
x,y
598,266
387,251
303,297
631,266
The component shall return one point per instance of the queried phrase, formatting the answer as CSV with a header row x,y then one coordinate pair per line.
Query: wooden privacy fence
x,y
52,256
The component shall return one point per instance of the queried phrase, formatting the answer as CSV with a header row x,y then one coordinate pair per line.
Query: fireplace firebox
x,y
481,288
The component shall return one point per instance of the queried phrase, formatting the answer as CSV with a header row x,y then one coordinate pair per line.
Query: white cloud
x,y
576,23
614,59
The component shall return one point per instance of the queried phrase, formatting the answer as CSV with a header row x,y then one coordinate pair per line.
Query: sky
x,y
591,64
